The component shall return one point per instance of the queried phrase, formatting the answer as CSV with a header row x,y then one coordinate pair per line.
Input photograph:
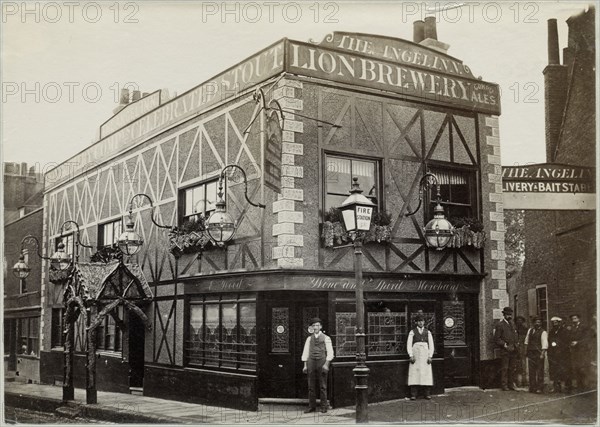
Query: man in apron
x,y
420,350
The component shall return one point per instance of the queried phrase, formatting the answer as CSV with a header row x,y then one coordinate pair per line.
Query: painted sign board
x,y
224,86
549,186
327,283
273,153
129,113
418,82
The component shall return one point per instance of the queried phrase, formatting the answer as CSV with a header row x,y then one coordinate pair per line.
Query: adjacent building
x,y
23,195
229,323
558,277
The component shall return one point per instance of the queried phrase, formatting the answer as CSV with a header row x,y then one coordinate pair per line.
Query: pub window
x,y
57,335
458,192
338,179
198,201
387,328
109,232
109,336
222,333
28,333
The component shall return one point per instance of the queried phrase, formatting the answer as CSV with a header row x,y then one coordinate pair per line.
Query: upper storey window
x,y
338,179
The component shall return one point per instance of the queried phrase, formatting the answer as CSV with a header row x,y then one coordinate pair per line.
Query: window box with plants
x,y
189,238
467,232
334,234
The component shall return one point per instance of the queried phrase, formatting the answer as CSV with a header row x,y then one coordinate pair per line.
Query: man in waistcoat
x,y
559,358
419,346
317,355
537,345
507,340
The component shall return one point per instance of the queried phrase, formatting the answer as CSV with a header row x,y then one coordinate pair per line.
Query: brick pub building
x,y
229,325
558,277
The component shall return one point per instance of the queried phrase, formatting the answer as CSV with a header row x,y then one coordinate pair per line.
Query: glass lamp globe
x,y
21,269
60,260
129,241
220,224
438,231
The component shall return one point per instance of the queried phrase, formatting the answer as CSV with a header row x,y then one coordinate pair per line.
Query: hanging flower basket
x,y
58,277
467,232
188,239
333,232
107,254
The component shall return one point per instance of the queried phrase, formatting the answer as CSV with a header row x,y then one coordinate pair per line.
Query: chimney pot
x,y
124,96
553,51
418,31
430,28
136,95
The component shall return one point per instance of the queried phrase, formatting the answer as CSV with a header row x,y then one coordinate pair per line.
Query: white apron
x,y
420,373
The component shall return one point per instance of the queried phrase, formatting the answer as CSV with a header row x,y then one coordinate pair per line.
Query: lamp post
x,y
438,231
357,211
220,225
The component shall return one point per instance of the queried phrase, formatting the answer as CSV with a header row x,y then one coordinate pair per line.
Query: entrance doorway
x,y
136,350
287,320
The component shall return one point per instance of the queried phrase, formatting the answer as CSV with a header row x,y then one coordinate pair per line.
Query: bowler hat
x,y
316,320
507,310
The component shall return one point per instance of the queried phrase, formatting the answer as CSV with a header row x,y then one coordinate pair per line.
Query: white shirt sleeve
x,y
527,337
329,348
544,340
306,349
430,340
409,343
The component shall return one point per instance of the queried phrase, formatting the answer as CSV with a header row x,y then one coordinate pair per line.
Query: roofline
x,y
41,208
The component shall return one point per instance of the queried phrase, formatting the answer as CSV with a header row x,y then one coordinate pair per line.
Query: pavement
x,y
462,405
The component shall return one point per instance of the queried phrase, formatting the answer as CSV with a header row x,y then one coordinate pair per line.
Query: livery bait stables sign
x,y
549,187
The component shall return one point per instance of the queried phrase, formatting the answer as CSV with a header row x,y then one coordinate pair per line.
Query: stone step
x,y
138,391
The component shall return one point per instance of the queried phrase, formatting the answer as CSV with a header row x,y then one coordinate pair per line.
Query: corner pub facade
x,y
229,324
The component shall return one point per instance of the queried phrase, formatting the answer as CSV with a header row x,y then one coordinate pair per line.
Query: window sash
x,y
457,190
109,233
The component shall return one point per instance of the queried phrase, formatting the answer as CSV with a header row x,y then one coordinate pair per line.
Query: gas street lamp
x,y
357,212
220,224
130,241
21,270
438,231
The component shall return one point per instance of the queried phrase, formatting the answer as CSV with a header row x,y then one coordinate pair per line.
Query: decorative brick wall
x,y
288,208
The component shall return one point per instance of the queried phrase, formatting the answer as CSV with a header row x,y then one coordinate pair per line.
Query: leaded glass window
x,y
222,332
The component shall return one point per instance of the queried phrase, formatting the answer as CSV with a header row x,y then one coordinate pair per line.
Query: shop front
x,y
246,345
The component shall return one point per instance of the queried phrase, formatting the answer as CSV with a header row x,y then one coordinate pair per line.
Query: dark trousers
x,y
536,371
508,368
317,379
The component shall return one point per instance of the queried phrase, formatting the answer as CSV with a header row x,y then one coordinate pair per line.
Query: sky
x,y
63,63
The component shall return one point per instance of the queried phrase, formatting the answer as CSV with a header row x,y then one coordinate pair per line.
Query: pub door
x,y
460,341
287,320
136,351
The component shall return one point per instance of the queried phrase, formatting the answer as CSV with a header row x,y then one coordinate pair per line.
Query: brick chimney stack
x,y
555,91
418,31
430,35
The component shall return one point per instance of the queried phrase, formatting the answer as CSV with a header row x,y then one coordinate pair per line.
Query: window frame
x,y
240,361
377,179
182,199
28,336
101,233
57,328
471,172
